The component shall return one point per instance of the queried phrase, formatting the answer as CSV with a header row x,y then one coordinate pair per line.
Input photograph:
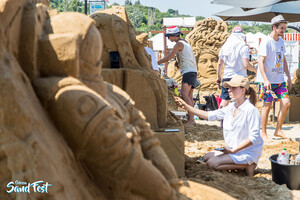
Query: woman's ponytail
x,y
252,94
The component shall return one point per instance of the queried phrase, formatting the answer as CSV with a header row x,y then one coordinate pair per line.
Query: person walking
x,y
241,128
187,63
235,55
272,65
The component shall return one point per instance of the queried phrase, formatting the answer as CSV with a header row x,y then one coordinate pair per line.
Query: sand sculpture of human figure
x,y
206,39
35,51
114,23
272,64
187,63
295,89
107,135
120,36
234,55
241,129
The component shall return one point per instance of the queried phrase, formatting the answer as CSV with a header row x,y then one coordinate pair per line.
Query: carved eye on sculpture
x,y
214,60
203,61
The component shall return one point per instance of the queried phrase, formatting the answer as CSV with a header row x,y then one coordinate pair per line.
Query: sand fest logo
x,y
24,187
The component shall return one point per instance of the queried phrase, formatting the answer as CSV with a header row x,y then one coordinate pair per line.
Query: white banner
x,y
292,56
179,21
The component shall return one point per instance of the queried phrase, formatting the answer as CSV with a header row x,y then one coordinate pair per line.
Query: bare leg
x,y
224,162
264,120
185,92
284,106
211,154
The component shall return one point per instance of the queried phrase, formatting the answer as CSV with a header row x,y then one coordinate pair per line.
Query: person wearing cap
x,y
241,129
235,55
272,65
188,66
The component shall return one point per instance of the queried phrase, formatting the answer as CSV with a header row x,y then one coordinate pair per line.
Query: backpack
x,y
211,103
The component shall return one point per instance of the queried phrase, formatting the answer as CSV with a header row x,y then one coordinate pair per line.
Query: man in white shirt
x,y
272,64
235,55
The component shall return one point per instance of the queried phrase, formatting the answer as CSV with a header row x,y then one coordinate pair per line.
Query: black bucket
x,y
285,173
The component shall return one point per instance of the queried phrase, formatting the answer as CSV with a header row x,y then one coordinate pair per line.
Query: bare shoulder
x,y
179,46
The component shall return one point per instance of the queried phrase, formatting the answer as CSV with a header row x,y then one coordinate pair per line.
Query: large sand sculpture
x,y
60,123
108,143
118,34
206,40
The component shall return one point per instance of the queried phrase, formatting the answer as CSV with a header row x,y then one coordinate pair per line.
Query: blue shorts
x,y
224,92
191,79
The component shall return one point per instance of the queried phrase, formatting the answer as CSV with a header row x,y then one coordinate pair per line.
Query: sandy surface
x,y
205,136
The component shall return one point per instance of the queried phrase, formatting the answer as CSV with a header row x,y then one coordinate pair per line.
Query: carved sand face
x,y
207,65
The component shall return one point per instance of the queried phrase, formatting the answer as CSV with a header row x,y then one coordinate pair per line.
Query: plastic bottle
x,y
176,90
285,152
297,159
196,107
283,157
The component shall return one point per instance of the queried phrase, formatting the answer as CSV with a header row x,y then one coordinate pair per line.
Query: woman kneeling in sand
x,y
241,129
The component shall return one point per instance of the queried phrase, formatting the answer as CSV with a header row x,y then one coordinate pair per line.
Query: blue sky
x,y
189,7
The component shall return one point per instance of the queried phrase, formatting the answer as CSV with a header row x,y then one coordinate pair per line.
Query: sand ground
x,y
205,136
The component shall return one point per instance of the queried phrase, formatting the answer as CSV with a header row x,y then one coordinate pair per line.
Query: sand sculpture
x,y
295,89
108,143
206,39
119,35
60,123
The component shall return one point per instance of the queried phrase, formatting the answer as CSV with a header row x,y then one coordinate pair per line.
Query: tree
x,y
199,18
67,5
137,17
128,3
137,2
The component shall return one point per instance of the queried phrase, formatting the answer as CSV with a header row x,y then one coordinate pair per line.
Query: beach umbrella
x,y
290,11
248,4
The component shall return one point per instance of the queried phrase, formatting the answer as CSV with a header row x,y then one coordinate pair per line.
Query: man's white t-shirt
x,y
235,66
274,52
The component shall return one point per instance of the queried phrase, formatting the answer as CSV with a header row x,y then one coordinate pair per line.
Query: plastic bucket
x,y
285,174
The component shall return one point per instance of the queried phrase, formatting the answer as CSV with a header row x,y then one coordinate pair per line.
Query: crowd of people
x,y
242,120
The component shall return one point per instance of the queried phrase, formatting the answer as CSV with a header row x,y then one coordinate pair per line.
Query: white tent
x,y
158,42
253,39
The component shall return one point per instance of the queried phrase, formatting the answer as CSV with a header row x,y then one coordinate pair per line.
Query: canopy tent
x,y
248,4
253,39
289,10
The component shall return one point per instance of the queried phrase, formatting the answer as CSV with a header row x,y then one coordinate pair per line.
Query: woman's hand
x,y
228,150
180,103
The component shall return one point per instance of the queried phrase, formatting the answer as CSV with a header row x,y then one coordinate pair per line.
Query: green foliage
x,y
67,5
128,3
146,19
253,28
199,18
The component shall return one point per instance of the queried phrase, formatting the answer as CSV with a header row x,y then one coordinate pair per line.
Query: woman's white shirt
x,y
237,129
